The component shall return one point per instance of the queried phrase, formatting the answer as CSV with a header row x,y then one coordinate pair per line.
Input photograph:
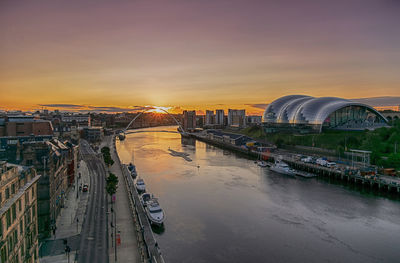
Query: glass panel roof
x,y
301,109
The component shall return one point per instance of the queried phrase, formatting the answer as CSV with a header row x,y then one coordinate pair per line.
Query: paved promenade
x,y
69,223
128,250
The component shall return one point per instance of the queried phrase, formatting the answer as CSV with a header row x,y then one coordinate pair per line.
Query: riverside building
x,y
305,114
18,214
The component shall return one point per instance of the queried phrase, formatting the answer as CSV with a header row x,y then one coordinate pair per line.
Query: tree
x,y
107,156
111,184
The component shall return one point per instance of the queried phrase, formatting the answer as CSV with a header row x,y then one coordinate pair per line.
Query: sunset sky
x,y
195,54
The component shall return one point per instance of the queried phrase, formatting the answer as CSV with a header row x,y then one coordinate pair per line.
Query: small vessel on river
x,y
262,164
154,212
132,170
282,167
145,198
140,185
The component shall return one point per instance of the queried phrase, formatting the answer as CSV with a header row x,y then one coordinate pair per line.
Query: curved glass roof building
x,y
308,113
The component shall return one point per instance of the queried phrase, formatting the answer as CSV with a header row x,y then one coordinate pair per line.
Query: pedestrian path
x,y
69,221
128,250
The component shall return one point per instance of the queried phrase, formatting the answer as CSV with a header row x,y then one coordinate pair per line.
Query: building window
x,y
3,254
22,249
21,227
10,244
14,212
13,189
19,205
33,192
28,217
15,237
8,218
7,193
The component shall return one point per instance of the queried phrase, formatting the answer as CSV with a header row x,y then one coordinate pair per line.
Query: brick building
x,y
24,126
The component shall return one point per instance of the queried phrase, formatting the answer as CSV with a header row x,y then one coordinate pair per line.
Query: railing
x,y
150,251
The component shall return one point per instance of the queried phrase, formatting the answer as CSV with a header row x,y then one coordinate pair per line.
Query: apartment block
x,y
18,214
189,120
237,118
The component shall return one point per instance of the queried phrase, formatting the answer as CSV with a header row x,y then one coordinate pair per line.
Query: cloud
x,y
258,105
379,101
87,108
116,109
71,106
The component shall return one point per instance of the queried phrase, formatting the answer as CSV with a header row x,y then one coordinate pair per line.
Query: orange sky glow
x,y
200,55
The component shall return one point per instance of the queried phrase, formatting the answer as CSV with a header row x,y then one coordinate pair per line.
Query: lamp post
x,y
115,230
77,183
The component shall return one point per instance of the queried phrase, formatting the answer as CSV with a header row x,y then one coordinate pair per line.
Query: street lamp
x,y
77,183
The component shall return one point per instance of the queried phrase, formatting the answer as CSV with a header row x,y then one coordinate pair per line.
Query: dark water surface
x,y
230,210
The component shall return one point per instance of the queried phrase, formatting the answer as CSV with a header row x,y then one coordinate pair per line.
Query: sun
x,y
159,109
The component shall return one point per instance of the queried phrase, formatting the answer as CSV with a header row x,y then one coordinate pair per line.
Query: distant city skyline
x,y
122,55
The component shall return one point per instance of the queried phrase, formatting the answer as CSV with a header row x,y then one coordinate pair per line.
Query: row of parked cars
x,y
320,161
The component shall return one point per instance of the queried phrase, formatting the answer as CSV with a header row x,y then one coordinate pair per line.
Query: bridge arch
x,y
122,134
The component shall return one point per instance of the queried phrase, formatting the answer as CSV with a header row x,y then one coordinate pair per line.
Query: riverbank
x,y
146,243
124,237
379,182
382,142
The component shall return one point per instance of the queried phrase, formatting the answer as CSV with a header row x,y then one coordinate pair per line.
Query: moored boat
x,y
145,198
262,163
140,185
132,170
154,212
282,167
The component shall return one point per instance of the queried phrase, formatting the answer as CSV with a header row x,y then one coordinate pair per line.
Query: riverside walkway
x,y
128,249
147,245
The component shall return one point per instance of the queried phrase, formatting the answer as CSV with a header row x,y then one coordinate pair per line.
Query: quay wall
x,y
150,250
371,182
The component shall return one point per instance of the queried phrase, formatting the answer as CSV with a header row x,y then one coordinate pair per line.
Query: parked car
x,y
321,161
307,159
330,164
85,188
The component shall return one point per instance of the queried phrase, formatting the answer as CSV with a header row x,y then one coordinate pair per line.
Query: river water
x,y
222,207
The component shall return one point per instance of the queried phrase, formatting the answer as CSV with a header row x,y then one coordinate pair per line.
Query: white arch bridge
x,y
130,132
125,131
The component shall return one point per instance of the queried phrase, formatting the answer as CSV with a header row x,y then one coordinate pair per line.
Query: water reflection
x,y
224,208
186,141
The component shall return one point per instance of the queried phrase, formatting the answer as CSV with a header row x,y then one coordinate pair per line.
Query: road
x,y
94,238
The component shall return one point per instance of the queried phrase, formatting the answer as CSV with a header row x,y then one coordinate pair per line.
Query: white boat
x,y
145,198
140,186
282,167
154,212
260,160
262,163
